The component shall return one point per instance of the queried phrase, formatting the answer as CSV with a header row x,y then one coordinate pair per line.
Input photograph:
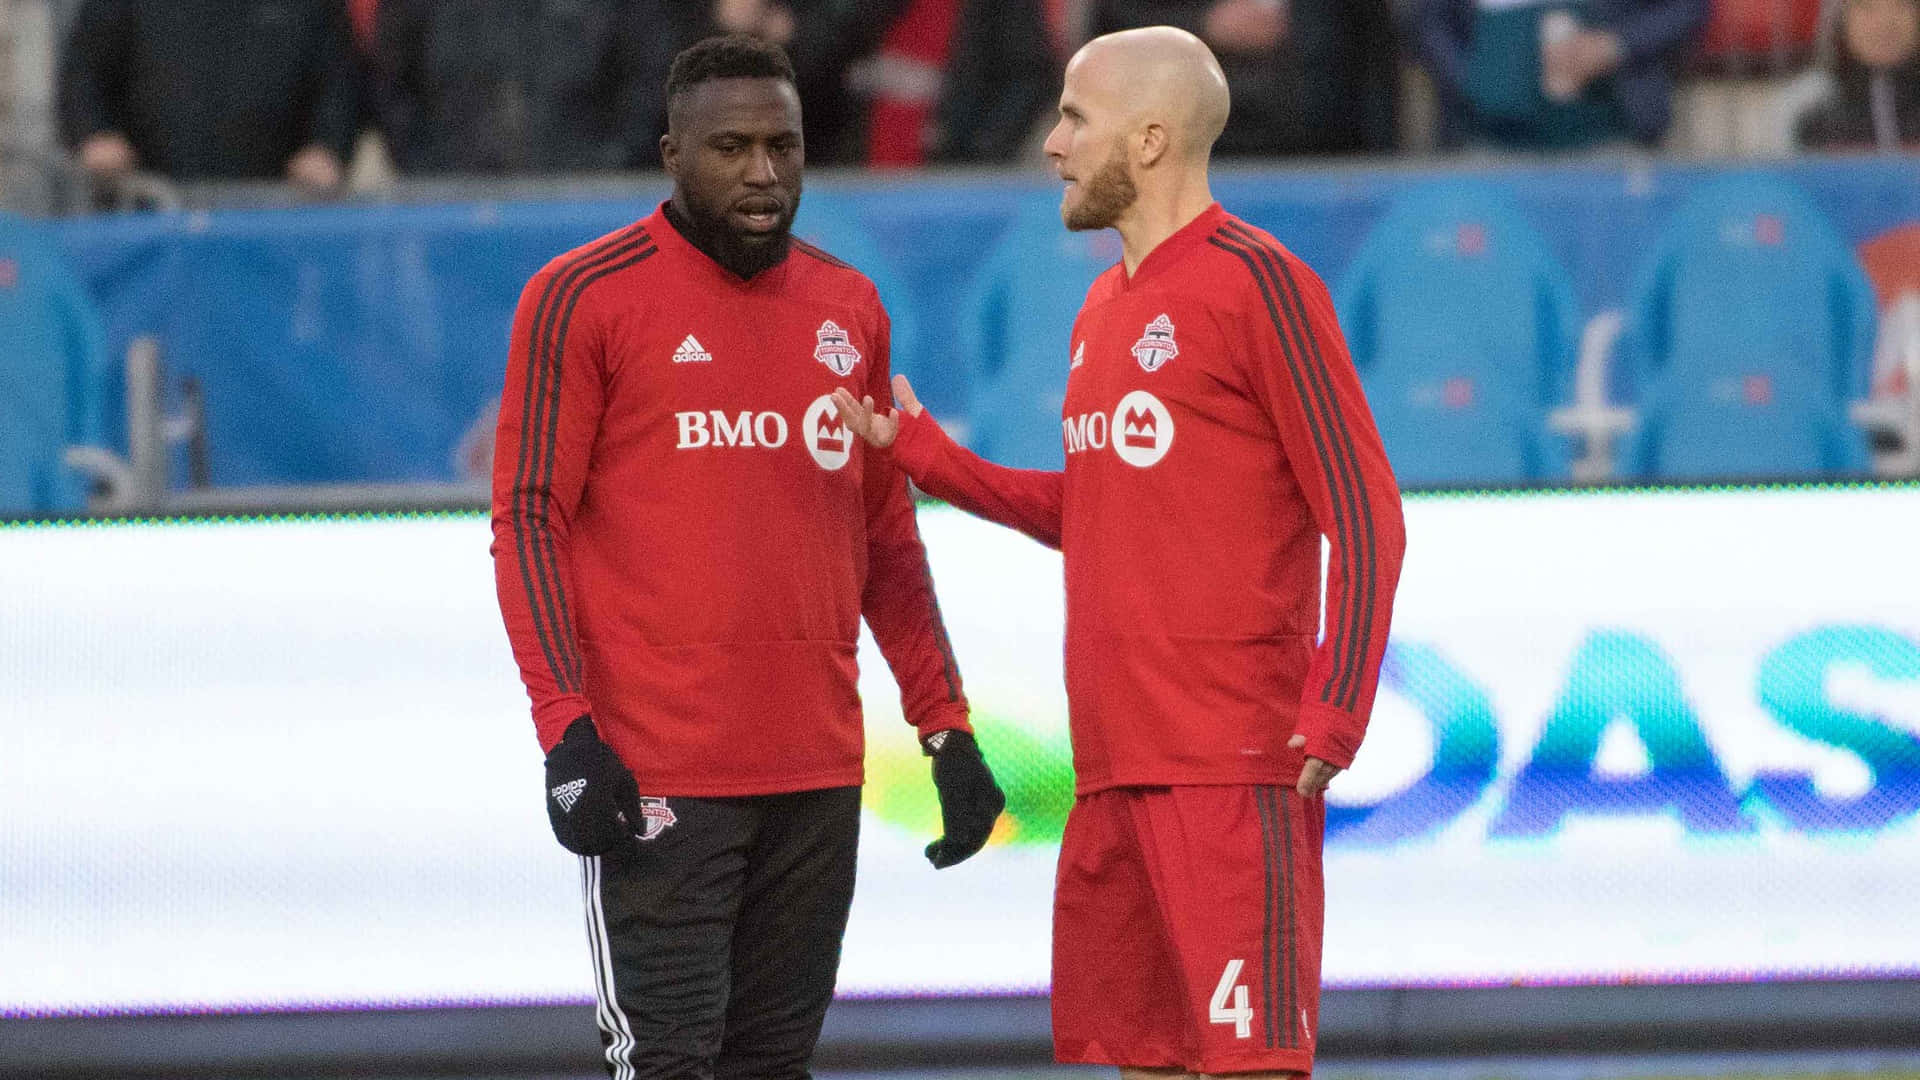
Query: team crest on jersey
x,y
1157,346
836,348
657,817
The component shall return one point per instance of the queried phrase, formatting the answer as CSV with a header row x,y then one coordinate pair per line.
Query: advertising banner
x,y
1620,737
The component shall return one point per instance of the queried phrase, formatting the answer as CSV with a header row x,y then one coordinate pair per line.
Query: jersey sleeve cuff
x,y
1333,735
944,718
918,444
552,718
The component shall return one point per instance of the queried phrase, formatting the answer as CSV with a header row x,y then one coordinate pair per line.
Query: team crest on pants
x,y
1156,347
657,814
836,348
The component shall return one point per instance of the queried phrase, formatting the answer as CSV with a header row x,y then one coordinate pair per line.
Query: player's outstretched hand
x,y
970,802
592,802
870,423
1315,775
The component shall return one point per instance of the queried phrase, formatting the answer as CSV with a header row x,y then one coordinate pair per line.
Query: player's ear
x,y
1151,145
670,155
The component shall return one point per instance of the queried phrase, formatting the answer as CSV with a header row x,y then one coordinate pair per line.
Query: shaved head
x,y
1139,115
1157,75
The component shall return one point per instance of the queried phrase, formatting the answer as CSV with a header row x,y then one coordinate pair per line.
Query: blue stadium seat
x,y
1749,331
54,373
1015,330
1464,329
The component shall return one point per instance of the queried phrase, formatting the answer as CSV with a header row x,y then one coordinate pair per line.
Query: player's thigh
x,y
786,944
660,925
1236,872
1116,995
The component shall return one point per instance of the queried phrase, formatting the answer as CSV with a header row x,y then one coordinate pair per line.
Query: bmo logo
x,y
715,428
827,440
1140,430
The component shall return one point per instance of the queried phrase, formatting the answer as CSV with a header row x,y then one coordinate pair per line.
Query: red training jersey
x,y
1215,430
685,537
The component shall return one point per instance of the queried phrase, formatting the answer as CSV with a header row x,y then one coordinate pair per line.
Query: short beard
x,y
744,254
1105,196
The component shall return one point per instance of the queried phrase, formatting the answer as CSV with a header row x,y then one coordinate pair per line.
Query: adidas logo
x,y
690,352
1079,356
569,793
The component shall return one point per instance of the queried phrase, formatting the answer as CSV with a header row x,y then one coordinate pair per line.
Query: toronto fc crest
x,y
835,349
1157,346
657,814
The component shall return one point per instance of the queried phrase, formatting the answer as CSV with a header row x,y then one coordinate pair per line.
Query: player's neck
x,y
1157,215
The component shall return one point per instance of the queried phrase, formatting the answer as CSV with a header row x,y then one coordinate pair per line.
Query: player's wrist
x,y
916,440
1328,734
553,717
933,729
958,740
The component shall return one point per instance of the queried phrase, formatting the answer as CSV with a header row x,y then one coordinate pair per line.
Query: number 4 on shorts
x,y
1240,1015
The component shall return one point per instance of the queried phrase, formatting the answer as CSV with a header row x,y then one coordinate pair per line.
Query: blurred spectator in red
x,y
1554,74
1870,93
1307,76
902,82
362,14
524,86
1003,74
211,89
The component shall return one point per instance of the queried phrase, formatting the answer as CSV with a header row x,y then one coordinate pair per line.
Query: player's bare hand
x,y
903,393
879,429
868,422
1315,775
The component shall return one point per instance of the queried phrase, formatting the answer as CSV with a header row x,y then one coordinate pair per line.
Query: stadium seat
x,y
1749,331
1463,327
54,374
1016,328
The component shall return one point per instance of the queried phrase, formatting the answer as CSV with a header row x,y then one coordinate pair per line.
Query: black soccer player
x,y
685,542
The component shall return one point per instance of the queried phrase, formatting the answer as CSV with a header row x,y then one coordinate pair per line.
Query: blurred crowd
x,y
292,89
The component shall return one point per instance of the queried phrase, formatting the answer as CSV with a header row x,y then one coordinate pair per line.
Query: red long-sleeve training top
x,y
1215,429
685,537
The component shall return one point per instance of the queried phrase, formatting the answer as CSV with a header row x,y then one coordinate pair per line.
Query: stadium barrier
x,y
362,343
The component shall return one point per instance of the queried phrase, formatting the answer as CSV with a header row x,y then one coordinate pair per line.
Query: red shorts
x,y
1186,929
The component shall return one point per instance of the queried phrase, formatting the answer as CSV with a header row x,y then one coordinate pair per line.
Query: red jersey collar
x,y
681,250
1170,250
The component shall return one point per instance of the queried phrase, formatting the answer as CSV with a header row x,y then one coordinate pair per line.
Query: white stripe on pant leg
x,y
589,895
606,997
600,1014
620,1050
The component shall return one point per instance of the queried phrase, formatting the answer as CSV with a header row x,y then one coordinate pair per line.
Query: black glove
x,y
970,801
592,802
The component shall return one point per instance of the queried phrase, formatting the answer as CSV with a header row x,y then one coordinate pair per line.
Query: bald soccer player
x,y
1215,431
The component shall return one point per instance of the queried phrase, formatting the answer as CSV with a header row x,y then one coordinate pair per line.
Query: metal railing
x,y
141,483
